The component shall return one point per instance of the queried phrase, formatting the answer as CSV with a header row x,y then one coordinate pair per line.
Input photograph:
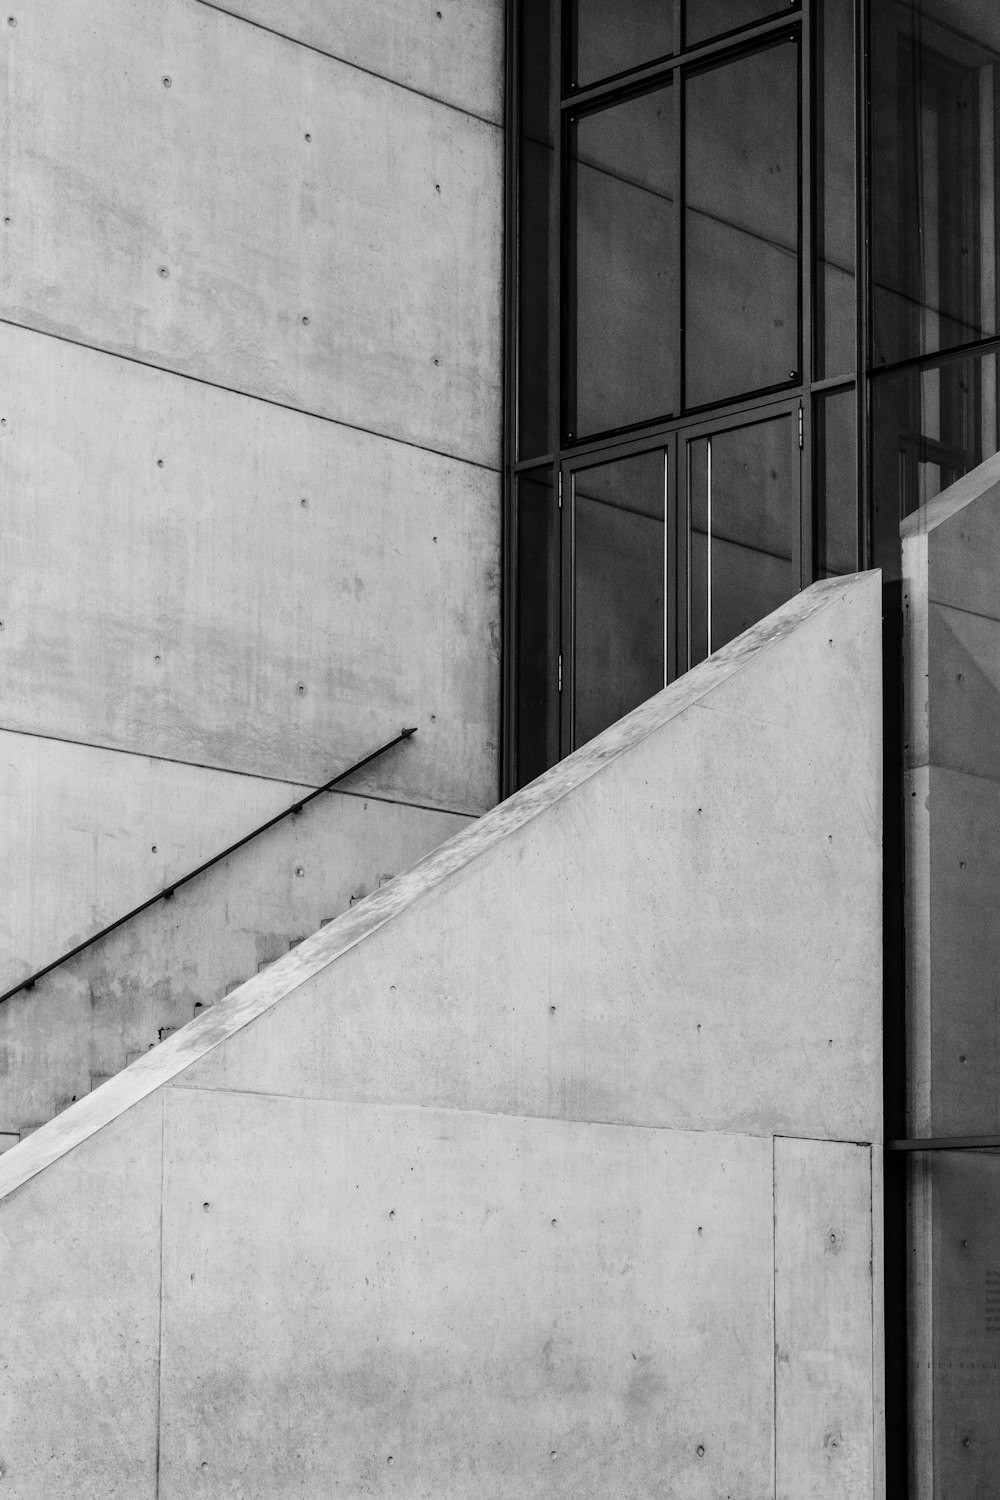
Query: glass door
x,y
741,478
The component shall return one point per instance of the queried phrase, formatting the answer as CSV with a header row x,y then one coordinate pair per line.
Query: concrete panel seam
x,y
960,609
585,1122
198,765
318,416
347,62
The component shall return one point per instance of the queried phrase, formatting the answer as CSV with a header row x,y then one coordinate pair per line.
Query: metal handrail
x,y
168,891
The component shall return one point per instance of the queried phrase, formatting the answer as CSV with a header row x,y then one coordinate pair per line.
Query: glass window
x,y
931,426
934,199
741,225
618,589
537,170
836,517
612,38
743,520
623,323
833,155
704,19
537,624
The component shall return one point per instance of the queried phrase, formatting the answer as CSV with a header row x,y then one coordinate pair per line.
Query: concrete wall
x,y
249,446
546,1170
92,833
952,800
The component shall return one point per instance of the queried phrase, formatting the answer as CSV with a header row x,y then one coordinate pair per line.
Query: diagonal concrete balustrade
x,y
546,1170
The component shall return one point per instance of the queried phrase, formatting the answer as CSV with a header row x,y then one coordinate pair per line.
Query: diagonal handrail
x,y
168,891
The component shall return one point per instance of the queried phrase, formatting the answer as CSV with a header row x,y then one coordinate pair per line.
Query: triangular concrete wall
x,y
545,1171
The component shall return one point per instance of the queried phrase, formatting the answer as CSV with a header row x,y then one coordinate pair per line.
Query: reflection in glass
x,y
618,589
623,323
741,223
536,169
743,517
835,326
934,199
835,535
704,19
930,427
611,38
537,612
955,1350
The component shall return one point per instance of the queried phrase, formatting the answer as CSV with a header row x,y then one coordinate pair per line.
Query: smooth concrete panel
x,y
685,932
159,821
963,685
361,1300
954,991
959,533
201,611
274,220
79,1320
449,49
824,1336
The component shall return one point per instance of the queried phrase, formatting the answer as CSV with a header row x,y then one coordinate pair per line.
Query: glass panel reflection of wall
x,y
536,177
742,225
618,580
743,519
537,641
833,49
835,535
934,168
623,322
704,19
931,426
955,1358
611,38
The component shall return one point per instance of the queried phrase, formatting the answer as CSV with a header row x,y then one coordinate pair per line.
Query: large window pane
x,y
537,615
741,224
835,296
931,426
537,166
618,582
934,200
611,38
743,509
623,324
704,19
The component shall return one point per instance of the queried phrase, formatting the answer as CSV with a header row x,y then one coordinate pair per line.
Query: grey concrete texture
x,y
449,49
223,202
952,833
190,574
717,967
457,1305
502,1302
79,1331
827,1433
158,821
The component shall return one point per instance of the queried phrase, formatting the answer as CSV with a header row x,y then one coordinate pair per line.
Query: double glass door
x,y
646,559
